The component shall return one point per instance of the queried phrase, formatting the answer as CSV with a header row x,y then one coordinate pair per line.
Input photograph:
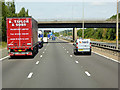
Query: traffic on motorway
x,y
53,62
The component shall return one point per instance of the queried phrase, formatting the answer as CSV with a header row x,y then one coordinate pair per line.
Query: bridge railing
x,y
100,45
77,20
105,46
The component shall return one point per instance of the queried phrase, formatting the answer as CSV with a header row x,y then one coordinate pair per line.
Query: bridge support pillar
x,y
74,34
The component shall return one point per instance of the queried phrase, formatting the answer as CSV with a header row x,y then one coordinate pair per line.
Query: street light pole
x,y
83,22
117,27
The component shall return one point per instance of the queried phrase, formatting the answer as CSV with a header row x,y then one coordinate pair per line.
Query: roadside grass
x,y
102,40
3,45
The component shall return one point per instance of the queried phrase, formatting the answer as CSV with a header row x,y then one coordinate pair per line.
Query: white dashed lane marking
x,y
40,55
37,62
88,74
30,75
67,52
70,55
43,52
76,61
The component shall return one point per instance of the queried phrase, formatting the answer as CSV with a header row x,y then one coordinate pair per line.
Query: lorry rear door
x,y
19,32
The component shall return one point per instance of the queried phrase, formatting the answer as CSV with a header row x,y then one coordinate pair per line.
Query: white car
x,y
45,39
82,45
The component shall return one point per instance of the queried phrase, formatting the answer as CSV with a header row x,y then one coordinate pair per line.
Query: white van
x,y
82,45
45,39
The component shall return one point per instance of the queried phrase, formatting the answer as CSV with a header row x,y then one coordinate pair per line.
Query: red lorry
x,y
22,36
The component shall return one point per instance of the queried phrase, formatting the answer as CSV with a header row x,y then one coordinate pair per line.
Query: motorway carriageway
x,y
55,66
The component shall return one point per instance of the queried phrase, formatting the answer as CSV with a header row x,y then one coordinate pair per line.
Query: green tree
x,y
26,14
22,13
8,10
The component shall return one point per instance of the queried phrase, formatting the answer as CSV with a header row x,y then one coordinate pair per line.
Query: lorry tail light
x,y
31,48
23,50
15,50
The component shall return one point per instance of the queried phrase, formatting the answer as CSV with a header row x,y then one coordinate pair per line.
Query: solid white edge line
x,y
88,74
76,61
4,58
107,57
30,75
37,62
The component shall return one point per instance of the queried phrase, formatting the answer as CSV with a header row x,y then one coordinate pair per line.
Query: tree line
x,y
8,10
100,33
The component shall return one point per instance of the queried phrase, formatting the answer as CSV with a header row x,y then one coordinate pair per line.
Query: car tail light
x,y
77,47
77,43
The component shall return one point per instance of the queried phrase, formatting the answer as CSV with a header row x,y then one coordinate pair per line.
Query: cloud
x,y
98,3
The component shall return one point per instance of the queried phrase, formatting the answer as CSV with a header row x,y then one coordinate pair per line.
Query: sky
x,y
49,10
68,10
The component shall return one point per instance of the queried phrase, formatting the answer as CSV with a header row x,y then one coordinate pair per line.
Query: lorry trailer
x,y
22,36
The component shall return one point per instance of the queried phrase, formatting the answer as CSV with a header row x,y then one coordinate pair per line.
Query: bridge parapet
x,y
77,21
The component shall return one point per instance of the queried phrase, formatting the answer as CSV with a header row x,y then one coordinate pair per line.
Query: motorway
x,y
55,66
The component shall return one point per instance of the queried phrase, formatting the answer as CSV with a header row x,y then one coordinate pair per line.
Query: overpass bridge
x,y
77,24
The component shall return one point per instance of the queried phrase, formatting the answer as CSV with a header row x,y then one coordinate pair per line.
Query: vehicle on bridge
x,y
82,46
22,36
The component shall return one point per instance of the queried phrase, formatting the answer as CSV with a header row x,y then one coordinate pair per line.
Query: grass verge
x,y
3,45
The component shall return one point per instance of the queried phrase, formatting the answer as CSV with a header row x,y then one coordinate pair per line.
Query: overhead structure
x,y
79,24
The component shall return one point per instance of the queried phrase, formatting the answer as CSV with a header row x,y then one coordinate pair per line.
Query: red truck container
x,y
22,36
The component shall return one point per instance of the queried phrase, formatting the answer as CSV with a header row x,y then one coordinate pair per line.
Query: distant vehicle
x,y
53,38
40,41
22,37
82,46
48,36
45,39
41,36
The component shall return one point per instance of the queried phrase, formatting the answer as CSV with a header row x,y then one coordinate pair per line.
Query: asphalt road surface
x,y
55,66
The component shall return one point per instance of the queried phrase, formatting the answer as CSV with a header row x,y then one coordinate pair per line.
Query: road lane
x,y
14,71
59,69
101,68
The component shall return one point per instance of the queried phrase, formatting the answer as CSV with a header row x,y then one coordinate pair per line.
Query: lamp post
x,y
117,27
83,22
